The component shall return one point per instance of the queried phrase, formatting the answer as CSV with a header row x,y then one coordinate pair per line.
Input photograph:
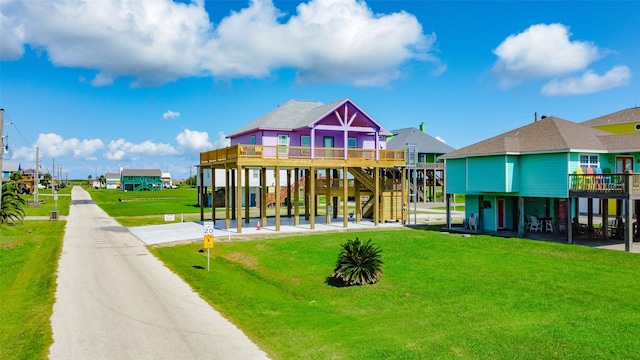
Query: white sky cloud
x,y
170,114
541,51
589,82
161,41
124,150
55,146
194,140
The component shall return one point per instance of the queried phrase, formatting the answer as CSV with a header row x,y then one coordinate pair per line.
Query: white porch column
x,y
313,143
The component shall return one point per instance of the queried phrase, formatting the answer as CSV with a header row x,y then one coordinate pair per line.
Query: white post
x,y
1,152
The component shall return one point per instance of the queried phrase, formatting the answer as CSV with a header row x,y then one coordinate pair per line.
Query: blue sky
x,y
99,85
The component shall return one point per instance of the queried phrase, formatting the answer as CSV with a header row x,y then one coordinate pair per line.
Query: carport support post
x,y
296,198
605,219
263,196
312,197
278,200
227,197
569,225
288,192
247,203
448,206
238,203
213,195
327,196
520,216
628,229
376,197
201,174
345,197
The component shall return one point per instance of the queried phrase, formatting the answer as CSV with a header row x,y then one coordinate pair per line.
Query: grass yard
x,y
167,201
47,203
442,296
28,259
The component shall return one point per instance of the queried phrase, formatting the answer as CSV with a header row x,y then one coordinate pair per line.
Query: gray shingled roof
x,y
10,166
622,142
425,142
619,117
550,134
141,172
293,114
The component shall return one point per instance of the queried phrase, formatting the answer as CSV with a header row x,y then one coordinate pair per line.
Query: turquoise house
x,y
141,180
542,170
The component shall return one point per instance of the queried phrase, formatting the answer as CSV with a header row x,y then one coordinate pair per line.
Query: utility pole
x,y
1,152
36,180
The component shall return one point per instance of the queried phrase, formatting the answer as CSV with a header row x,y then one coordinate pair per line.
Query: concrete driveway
x,y
114,300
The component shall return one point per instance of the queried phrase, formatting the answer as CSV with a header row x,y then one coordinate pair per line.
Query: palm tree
x,y
359,263
12,206
103,180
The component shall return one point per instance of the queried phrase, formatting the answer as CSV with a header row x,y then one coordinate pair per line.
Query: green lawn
x,y
28,260
442,296
47,202
140,203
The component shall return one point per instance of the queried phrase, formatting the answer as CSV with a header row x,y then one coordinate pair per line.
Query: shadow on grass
x,y
331,281
198,267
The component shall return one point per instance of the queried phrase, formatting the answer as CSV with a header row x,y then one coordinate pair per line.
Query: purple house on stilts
x,y
314,149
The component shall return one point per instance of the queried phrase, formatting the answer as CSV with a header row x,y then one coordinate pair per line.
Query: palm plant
x,y
11,208
359,263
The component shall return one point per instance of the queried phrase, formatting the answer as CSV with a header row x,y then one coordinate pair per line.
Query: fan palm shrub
x,y
12,205
359,263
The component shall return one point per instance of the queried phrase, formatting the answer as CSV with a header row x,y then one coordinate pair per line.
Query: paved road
x,y
115,300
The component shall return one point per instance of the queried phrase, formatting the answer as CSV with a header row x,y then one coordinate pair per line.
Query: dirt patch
x,y
249,262
11,245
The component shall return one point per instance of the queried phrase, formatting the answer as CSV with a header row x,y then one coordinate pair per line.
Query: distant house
x,y
140,180
541,171
166,180
430,171
9,167
112,180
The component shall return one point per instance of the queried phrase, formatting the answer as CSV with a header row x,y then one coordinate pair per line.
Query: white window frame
x,y
589,161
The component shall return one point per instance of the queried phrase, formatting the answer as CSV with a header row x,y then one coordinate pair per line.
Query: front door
x,y
327,143
624,163
501,214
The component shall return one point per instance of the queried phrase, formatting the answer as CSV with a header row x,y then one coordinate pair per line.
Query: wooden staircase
x,y
284,192
390,201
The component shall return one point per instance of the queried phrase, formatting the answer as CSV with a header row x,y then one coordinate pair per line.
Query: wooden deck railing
x,y
605,183
431,166
295,152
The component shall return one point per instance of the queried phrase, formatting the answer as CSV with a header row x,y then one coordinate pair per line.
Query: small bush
x,y
359,263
